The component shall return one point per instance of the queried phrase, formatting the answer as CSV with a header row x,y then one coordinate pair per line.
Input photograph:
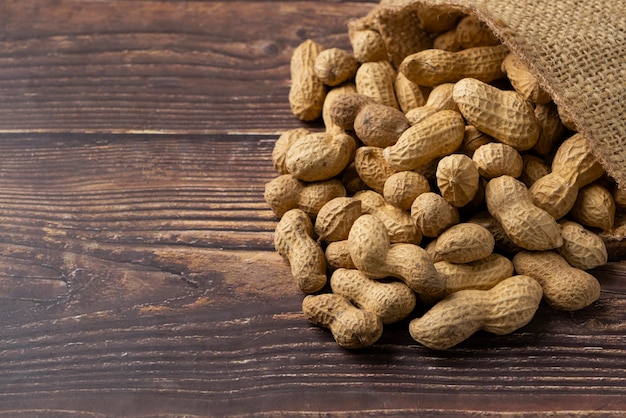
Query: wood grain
x,y
137,270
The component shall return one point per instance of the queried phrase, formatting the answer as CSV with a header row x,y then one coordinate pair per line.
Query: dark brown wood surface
x,y
137,270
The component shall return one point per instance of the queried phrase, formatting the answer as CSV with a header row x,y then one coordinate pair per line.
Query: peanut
x,y
350,326
506,307
372,168
436,136
376,80
334,66
287,192
464,243
367,45
307,92
564,287
293,240
435,66
527,225
401,188
432,214
573,167
523,81
408,94
440,98
378,125
497,159
282,145
398,223
481,274
534,169
320,155
437,19
447,41
471,32
551,129
581,248
343,89
474,139
390,301
502,241
457,179
594,207
338,255
374,255
504,115
343,109
335,218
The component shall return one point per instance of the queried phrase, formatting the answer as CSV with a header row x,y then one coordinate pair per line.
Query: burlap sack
x,y
575,48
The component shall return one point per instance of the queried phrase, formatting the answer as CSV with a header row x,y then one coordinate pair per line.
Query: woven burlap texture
x,y
577,51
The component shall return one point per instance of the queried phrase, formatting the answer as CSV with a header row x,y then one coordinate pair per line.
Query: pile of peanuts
x,y
448,179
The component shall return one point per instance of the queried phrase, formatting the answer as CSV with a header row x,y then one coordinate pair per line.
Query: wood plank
x,y
158,66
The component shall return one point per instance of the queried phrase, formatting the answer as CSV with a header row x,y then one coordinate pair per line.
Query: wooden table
x,y
137,270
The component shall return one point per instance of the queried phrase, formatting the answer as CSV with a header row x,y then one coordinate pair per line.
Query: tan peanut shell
x,y
437,19
372,167
464,243
367,45
320,155
551,128
282,145
523,81
471,32
338,255
333,66
447,41
374,255
401,188
307,92
481,274
398,223
287,192
436,136
504,115
527,225
565,287
432,214
390,301
440,98
506,307
343,109
335,218
573,167
378,125
376,80
408,93
594,207
293,240
350,326
503,242
534,169
474,139
435,66
496,159
581,248
343,89
458,179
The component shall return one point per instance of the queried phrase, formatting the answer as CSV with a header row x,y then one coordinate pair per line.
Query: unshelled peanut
x,y
293,240
506,307
307,92
565,287
335,218
464,243
581,248
287,192
350,326
390,301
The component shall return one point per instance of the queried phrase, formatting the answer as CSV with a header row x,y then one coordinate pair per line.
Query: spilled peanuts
x,y
445,179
